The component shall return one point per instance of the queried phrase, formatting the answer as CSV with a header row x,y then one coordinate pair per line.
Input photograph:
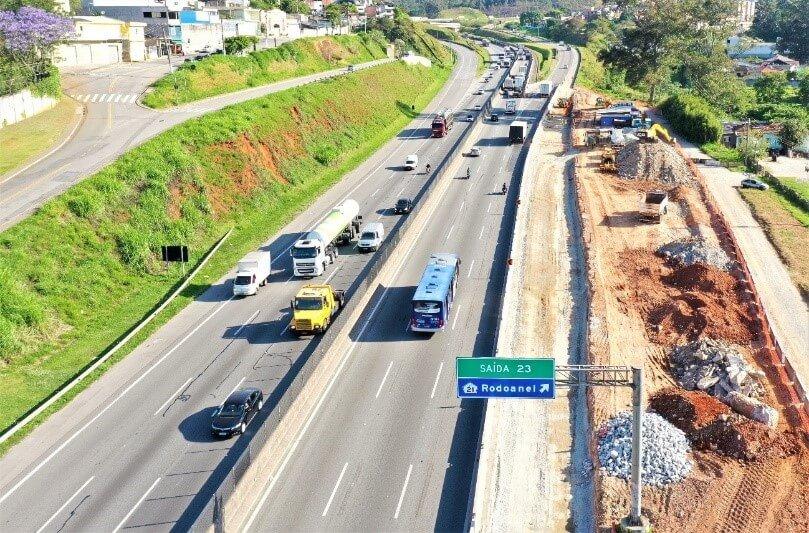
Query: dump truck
x,y
318,247
653,205
314,308
517,131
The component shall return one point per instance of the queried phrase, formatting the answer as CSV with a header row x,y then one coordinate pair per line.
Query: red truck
x,y
442,123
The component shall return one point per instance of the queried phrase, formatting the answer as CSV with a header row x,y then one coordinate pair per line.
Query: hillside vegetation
x,y
467,16
219,74
85,268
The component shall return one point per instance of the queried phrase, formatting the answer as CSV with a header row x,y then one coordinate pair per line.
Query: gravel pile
x,y
714,367
652,161
688,251
665,450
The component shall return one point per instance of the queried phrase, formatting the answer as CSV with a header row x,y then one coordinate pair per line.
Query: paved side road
x,y
134,450
113,125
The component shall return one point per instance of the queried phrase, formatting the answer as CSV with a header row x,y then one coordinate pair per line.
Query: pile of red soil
x,y
687,410
682,304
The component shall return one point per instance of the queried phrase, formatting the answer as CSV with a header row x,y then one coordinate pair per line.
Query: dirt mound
x,y
687,410
681,305
652,161
746,440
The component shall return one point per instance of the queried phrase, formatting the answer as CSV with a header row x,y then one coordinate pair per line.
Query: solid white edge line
x,y
437,377
450,231
334,491
470,268
132,511
384,378
234,388
109,405
402,495
336,270
173,396
62,508
481,232
457,312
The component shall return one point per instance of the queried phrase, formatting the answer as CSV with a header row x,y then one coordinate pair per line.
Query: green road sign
x,y
502,368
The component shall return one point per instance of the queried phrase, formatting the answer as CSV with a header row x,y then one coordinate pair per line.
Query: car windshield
x,y
243,280
308,303
232,409
368,236
304,253
402,203
421,306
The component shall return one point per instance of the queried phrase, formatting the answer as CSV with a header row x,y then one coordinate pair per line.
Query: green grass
x,y
545,59
452,36
729,157
252,166
592,75
787,227
467,16
801,187
221,74
25,140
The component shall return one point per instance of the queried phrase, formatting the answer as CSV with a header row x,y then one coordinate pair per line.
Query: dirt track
x,y
642,306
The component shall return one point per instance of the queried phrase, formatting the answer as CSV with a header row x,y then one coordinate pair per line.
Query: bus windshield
x,y
304,253
421,306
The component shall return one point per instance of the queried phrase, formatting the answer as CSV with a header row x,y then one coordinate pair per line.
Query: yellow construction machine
x,y
655,133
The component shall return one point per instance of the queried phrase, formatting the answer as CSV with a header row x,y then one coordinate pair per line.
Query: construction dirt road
x,y
657,287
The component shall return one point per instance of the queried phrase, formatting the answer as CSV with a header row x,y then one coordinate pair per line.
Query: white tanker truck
x,y
318,247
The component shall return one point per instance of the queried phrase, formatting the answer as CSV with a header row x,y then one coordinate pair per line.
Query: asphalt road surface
x,y
134,450
392,448
113,124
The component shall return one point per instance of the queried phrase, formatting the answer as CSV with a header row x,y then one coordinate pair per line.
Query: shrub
x,y
236,45
692,117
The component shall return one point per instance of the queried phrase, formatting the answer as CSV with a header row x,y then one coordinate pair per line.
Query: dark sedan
x,y
232,417
403,206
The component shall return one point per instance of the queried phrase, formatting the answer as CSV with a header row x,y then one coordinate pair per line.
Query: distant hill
x,y
433,8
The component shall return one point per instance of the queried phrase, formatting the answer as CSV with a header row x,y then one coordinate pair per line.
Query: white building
x,y
101,41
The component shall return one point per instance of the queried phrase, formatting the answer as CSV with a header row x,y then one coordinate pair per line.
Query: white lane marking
x,y
457,312
461,208
374,193
334,491
234,388
117,97
336,270
481,232
402,495
290,279
173,396
94,98
379,390
450,231
437,377
490,207
86,97
132,98
109,405
129,514
62,508
246,323
321,401
470,268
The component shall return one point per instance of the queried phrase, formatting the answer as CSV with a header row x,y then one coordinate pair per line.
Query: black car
x,y
494,117
403,206
232,417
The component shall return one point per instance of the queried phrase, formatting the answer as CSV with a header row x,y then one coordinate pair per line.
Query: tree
x,y
29,35
793,133
333,14
771,88
752,149
531,18
785,22
431,9
803,89
295,7
236,45
266,5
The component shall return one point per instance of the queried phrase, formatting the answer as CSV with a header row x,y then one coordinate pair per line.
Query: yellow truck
x,y
314,308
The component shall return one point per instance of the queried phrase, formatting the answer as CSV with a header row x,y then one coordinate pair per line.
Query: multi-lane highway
x,y
392,448
134,450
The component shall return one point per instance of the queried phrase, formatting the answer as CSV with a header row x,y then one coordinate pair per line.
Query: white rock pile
x,y
665,450
715,367
655,161
686,252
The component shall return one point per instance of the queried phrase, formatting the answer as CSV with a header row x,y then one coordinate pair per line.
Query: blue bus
x,y
436,292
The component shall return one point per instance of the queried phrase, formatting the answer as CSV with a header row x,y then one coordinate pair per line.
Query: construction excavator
x,y
655,133
607,160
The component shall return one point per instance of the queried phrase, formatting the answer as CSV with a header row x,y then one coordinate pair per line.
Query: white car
x,y
478,107
474,152
752,183
411,162
470,118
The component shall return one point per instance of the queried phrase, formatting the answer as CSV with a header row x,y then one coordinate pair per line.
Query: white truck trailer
x,y
545,89
318,247
251,273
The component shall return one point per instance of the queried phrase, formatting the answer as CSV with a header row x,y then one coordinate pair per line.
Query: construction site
x,y
669,292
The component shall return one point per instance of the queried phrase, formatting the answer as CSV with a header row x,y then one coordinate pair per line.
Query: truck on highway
x,y
314,308
517,131
442,123
545,89
251,273
511,107
519,85
318,247
654,205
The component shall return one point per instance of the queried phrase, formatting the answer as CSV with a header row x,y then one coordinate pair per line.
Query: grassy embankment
x,y
221,74
786,223
79,273
454,37
545,57
466,16
594,76
24,141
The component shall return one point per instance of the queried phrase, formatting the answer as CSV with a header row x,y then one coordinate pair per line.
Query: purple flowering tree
x,y
28,35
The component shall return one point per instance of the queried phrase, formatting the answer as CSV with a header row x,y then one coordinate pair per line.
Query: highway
x,y
113,124
392,448
134,451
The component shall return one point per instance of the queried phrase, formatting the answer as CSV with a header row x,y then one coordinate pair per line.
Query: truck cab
x,y
314,307
310,257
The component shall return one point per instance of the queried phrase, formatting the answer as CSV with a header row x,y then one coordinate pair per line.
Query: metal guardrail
x,y
212,515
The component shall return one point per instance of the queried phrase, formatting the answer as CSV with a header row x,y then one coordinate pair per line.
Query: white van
x,y
411,162
251,273
371,236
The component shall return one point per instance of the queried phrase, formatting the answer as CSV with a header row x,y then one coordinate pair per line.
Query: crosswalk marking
x,y
100,98
117,97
